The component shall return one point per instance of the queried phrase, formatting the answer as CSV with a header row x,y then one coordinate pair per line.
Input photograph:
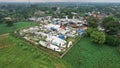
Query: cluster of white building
x,y
54,32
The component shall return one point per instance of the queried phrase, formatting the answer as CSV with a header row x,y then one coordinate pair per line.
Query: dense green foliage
x,y
111,25
22,11
98,37
9,23
93,22
112,40
85,54
89,31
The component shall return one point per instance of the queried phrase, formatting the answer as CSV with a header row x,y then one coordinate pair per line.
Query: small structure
x,y
69,44
80,31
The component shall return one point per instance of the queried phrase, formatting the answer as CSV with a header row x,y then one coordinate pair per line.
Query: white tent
x,y
56,40
50,46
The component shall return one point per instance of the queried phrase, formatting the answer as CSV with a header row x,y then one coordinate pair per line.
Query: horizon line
x,y
59,2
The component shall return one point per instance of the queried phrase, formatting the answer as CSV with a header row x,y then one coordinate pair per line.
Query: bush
x,y
112,40
98,37
89,31
70,39
118,48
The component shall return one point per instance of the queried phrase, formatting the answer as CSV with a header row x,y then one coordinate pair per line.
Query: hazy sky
x,y
60,0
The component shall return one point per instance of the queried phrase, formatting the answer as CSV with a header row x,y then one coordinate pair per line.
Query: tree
x,y
89,31
112,40
1,17
111,25
98,37
93,22
9,21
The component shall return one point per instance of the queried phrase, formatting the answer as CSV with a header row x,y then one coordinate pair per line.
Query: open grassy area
x,y
16,53
24,55
85,54
3,40
18,25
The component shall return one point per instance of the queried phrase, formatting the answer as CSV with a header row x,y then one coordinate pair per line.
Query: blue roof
x,y
52,28
80,31
61,37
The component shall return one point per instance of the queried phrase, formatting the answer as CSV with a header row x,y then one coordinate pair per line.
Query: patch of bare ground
x,y
4,42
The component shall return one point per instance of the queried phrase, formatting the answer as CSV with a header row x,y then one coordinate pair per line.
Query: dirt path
x,y
3,35
2,38
4,46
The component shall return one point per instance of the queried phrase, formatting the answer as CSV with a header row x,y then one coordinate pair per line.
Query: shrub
x,y
88,32
112,40
98,37
70,39
118,48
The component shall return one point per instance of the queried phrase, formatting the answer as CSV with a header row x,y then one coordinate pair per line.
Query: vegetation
x,y
93,22
86,54
20,54
16,53
112,40
111,25
9,23
18,25
3,40
70,39
89,31
98,37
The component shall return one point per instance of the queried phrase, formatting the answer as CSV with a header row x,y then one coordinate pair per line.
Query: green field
x,y
18,25
16,53
23,55
85,54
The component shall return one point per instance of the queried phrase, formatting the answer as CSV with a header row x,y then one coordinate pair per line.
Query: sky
x,y
60,0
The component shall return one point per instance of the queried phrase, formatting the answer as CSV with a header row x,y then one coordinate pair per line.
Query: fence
x,y
70,48
46,49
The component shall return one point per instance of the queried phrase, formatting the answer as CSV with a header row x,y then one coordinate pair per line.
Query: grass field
x,y
18,25
16,53
3,40
23,55
85,54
